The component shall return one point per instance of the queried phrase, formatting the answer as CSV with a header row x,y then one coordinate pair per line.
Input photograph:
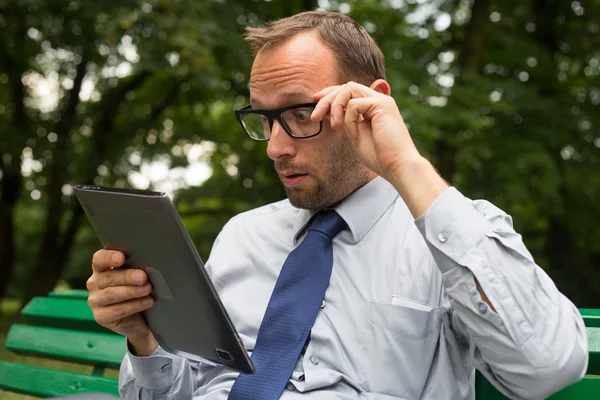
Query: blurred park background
x,y
502,96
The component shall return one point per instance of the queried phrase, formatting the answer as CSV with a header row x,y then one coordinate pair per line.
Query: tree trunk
x,y
68,239
10,165
10,187
560,250
44,277
470,62
471,55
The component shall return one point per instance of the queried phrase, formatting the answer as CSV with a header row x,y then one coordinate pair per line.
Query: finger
x,y
109,315
349,91
357,112
338,106
322,107
362,108
118,277
319,95
107,259
117,294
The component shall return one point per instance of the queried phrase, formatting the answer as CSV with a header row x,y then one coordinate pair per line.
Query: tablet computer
x,y
187,318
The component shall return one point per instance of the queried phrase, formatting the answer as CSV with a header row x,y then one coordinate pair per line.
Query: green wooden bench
x,y
62,327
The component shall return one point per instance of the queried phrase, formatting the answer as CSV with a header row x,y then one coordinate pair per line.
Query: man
x,y
411,285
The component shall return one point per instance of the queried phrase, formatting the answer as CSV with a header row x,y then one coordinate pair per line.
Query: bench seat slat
x,y
60,312
45,382
90,348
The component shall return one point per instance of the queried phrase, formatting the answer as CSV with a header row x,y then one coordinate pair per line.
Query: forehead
x,y
292,72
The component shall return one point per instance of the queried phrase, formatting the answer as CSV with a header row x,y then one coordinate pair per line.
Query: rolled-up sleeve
x,y
535,343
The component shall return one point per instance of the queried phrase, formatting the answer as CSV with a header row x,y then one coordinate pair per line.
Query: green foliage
x,y
514,121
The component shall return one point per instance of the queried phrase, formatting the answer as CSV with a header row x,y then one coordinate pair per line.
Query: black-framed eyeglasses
x,y
295,120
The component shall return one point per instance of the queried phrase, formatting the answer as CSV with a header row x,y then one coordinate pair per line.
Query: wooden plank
x,y
70,294
594,351
59,312
591,317
98,349
485,390
586,389
45,382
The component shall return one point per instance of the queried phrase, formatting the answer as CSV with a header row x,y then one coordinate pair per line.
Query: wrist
x,y
142,346
418,183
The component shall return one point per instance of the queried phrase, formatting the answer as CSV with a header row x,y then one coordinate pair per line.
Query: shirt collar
x,y
361,209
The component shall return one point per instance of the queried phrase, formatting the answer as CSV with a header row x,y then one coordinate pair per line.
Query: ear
x,y
381,86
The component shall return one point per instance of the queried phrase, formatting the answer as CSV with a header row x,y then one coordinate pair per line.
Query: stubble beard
x,y
337,172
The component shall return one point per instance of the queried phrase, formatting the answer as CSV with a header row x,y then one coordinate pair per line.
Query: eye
x,y
264,120
303,114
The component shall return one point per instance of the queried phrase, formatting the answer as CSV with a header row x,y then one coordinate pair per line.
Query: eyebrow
x,y
284,99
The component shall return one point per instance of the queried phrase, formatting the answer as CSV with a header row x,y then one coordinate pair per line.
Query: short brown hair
x,y
358,57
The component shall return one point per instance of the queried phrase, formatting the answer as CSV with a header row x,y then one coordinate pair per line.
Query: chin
x,y
298,198
310,200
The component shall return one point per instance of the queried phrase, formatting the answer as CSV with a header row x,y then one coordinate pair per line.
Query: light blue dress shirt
x,y
402,317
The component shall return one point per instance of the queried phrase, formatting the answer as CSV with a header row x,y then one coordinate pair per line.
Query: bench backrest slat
x,y
60,312
70,294
85,347
591,317
594,351
45,382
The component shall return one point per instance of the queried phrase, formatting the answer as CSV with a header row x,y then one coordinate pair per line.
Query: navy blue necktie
x,y
291,312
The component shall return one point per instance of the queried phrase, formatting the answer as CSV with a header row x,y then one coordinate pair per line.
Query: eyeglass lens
x,y
297,121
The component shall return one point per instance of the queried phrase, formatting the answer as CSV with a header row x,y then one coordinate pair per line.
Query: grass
x,y
8,311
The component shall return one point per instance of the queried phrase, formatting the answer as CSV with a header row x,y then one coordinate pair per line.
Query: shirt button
x,y
323,304
442,237
290,386
166,367
483,308
314,359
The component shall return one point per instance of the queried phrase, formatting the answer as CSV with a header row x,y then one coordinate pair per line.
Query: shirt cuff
x,y
156,371
452,226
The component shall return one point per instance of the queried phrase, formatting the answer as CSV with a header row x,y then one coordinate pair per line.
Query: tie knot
x,y
328,222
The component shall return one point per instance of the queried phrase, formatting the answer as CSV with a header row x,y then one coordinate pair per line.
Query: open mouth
x,y
291,180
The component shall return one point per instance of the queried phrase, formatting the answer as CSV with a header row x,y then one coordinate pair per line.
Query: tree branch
x,y
116,98
167,101
67,118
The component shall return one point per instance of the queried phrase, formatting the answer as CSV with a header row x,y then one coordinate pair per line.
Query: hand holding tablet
x,y
156,291
117,296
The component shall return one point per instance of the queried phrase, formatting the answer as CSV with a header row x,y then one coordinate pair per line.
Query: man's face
x,y
316,172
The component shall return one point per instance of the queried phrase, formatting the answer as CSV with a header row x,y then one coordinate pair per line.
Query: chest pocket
x,y
399,345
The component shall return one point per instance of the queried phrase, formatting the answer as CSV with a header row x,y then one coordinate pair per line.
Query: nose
x,y
280,143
